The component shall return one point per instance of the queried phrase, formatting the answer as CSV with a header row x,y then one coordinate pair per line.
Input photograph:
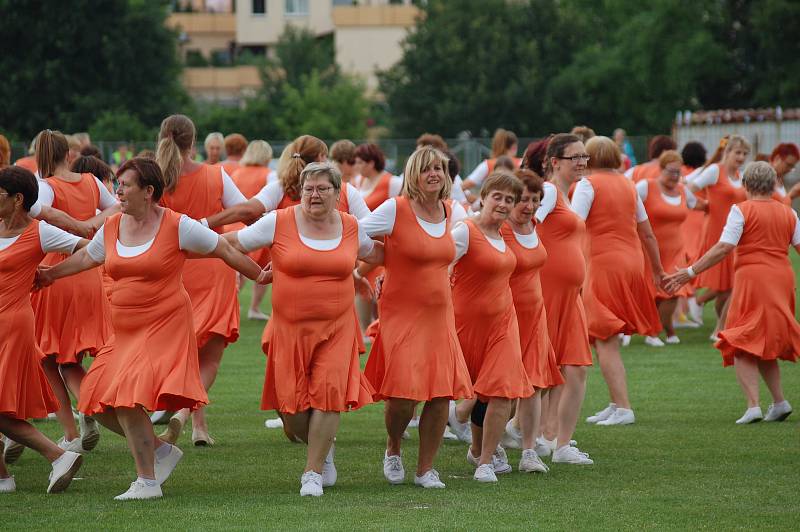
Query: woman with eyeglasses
x,y
668,203
312,365
783,159
617,294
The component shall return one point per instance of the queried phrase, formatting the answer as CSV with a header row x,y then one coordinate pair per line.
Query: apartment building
x,y
367,36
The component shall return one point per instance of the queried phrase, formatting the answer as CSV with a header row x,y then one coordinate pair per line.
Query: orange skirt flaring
x,y
566,325
212,289
538,356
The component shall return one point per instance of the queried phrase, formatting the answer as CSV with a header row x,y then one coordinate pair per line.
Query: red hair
x,y
785,150
371,152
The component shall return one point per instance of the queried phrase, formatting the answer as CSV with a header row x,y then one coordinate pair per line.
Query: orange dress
x,y
721,196
562,233
250,180
24,390
761,317
618,297
486,321
72,315
526,288
229,166
648,170
692,227
29,163
666,220
313,353
416,354
211,284
152,359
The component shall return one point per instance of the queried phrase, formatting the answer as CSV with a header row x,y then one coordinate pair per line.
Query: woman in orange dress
x,y
694,157
562,276
312,366
723,187
252,176
151,362
25,392
200,190
783,159
72,316
667,203
538,356
761,326
486,322
416,356
617,294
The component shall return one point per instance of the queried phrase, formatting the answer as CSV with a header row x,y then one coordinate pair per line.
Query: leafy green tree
x,y
120,125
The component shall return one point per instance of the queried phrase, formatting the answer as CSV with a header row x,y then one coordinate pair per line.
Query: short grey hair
x,y
329,170
759,178
216,135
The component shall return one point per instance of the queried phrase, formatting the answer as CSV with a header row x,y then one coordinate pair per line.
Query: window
x,y
297,7
259,7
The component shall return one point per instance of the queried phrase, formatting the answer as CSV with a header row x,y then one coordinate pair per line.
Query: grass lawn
x,y
684,464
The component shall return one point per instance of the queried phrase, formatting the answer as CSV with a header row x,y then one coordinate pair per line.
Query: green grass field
x,y
684,464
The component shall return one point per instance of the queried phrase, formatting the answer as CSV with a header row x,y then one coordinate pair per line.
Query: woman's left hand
x,y
43,278
265,277
673,282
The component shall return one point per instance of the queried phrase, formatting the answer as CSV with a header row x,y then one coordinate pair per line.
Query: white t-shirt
x,y
231,195
192,236
461,236
381,221
548,203
691,200
52,240
457,192
271,195
47,196
262,234
734,227
710,176
583,197
530,241
479,174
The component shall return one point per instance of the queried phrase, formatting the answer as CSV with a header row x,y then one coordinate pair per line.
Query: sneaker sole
x,y
63,483
91,441
780,418
12,454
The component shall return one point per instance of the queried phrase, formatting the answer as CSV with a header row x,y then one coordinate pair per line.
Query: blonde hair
x,y
502,180
32,147
669,156
603,153
73,142
736,141
82,138
759,178
329,170
258,153
175,138
215,135
502,141
421,160
302,151
51,150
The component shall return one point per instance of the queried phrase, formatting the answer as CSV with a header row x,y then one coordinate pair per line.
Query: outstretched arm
x,y
684,275
78,262
245,212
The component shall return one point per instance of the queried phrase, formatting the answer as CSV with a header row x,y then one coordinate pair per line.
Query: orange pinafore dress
x,y
24,390
721,196
648,170
373,200
28,163
486,321
618,296
562,233
761,317
313,354
250,180
666,220
72,315
526,289
152,360
416,354
692,229
211,284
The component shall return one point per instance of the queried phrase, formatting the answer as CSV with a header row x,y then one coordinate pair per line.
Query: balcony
x,y
205,23
382,15
221,83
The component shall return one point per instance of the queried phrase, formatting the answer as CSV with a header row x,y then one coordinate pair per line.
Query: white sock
x,y
149,482
162,451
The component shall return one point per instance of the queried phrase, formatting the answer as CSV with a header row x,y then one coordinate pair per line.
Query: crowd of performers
x,y
482,297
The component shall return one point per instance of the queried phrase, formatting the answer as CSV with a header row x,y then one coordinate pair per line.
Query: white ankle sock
x,y
149,482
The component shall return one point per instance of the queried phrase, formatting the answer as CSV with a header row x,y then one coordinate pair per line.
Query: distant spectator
x,y
620,137
214,145
121,155
147,154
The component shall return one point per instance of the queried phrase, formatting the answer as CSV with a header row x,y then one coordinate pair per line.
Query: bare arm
x,y
236,259
66,222
233,239
712,257
98,220
78,262
245,212
375,258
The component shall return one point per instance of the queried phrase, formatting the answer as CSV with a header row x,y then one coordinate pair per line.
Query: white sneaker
x,y
311,484
512,438
70,445
603,414
751,415
257,315
499,460
695,311
393,469
12,451
778,412
7,485
462,430
544,447
329,474
672,340
449,434
567,454
621,416
531,463
90,432
275,423
165,466
406,435
429,480
685,323
714,338
161,417
485,473
64,468
414,423
139,490
653,341
625,340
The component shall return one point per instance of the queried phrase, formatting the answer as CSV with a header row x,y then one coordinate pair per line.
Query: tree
x,y
65,63
120,125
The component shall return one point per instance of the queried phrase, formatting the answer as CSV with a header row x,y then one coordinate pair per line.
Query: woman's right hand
x,y
43,278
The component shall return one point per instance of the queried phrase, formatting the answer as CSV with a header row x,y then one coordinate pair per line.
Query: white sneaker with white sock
x,y
672,340
329,473
625,340
621,416
512,437
70,445
485,473
603,414
64,468
167,458
449,434
653,341
311,484
141,489
778,411
462,430
393,469
499,460
8,485
695,311
414,423
567,454
275,423
255,314
751,415
430,479
531,463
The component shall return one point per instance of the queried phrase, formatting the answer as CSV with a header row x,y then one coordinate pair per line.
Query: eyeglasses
x,y
675,173
322,191
4,194
576,158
